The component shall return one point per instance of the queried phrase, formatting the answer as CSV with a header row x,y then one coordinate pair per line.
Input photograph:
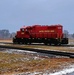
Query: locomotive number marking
x,y
47,31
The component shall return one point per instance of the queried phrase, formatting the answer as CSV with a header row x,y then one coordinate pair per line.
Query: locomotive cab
x,y
21,36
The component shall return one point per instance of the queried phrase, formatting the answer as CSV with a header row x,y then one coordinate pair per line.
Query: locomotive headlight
x,y
45,38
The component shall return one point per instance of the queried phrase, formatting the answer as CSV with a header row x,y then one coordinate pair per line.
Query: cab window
x,y
22,30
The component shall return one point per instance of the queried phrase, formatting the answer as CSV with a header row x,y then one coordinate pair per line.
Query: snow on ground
x,y
2,44
71,47
64,71
71,43
18,51
30,52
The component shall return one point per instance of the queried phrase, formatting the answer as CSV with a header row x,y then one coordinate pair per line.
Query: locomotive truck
x,y
46,34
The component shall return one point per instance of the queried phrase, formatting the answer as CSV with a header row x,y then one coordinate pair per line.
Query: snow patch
x,y
2,44
71,47
18,51
64,71
71,43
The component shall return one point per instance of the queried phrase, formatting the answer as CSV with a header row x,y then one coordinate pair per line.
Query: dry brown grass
x,y
6,40
14,63
71,40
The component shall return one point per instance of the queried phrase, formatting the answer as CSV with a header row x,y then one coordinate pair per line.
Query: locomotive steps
x,y
60,51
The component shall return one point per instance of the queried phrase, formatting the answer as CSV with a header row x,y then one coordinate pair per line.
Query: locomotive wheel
x,y
14,42
29,43
55,44
26,43
50,44
59,44
46,43
22,42
18,42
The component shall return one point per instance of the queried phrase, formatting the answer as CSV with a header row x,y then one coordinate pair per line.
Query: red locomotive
x,y
41,34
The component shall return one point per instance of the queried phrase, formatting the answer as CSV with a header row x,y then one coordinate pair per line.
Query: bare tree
x,y
66,34
73,35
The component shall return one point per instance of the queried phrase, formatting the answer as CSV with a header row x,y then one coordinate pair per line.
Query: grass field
x,y
6,40
17,63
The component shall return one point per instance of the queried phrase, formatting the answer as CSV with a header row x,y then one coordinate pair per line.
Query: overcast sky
x,y
16,13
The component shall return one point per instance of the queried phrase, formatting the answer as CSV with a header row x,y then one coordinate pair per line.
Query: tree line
x,y
66,34
5,34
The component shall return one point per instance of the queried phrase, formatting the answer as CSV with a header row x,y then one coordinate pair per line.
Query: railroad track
x,y
59,53
69,45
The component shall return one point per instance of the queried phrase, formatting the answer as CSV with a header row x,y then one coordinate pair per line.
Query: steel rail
x,y
67,54
69,45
